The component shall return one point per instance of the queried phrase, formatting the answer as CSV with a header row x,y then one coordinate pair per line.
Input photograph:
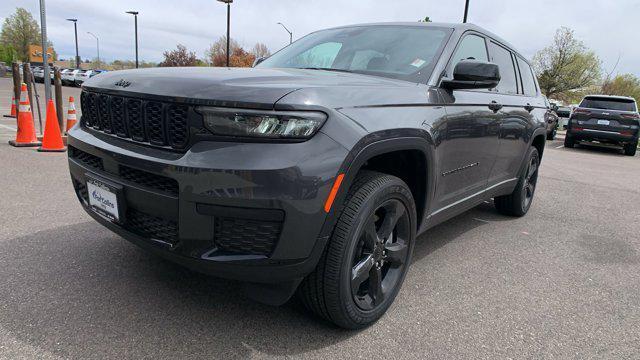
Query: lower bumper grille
x,y
151,227
245,236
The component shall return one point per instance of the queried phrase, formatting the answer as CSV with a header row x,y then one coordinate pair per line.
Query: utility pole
x,y
45,57
290,33
466,11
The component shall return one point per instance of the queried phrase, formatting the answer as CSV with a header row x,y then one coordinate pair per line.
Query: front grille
x,y
151,227
158,182
85,158
252,237
152,122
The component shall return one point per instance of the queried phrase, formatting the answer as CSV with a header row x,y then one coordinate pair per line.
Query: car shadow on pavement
x,y
598,148
79,291
452,229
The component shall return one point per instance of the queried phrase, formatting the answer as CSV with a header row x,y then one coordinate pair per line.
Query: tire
x,y
342,287
569,142
519,201
552,134
630,149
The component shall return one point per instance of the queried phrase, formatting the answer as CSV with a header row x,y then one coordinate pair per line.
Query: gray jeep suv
x,y
313,172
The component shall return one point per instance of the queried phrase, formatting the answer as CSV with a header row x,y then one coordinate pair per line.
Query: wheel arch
x,y
374,153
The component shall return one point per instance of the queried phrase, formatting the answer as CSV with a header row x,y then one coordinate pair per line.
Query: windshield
x,y
608,104
400,52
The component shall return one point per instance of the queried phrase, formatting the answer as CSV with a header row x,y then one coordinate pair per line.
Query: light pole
x,y
466,11
135,16
75,29
97,45
287,30
228,2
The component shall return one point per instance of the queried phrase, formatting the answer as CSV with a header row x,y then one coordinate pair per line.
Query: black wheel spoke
x,y
395,210
360,272
396,253
375,285
370,233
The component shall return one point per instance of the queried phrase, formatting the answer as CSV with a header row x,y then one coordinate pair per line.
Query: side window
x,y
502,57
471,47
528,82
321,55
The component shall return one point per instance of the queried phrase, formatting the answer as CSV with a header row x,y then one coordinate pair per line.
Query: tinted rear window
x,y
609,104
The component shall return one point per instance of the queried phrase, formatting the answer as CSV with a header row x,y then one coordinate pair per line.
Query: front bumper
x,y
246,211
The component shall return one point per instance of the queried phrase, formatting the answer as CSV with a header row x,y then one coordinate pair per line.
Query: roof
x,y
617,97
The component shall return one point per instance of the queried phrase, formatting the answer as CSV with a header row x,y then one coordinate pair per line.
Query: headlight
x,y
262,124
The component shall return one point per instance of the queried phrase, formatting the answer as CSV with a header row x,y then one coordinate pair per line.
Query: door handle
x,y
529,107
495,106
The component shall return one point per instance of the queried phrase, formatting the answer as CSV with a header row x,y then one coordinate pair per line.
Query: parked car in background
x,y
38,73
551,119
315,171
605,119
84,75
69,76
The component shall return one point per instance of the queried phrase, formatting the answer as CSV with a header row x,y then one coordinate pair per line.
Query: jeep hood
x,y
233,87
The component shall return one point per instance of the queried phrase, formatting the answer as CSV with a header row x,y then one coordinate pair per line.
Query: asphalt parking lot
x,y
561,282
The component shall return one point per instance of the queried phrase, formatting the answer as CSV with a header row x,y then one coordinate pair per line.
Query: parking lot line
x,y
558,147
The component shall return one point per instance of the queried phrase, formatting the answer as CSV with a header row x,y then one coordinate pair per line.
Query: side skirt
x,y
471,201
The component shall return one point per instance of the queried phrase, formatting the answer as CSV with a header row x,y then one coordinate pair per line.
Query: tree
x,y
216,54
8,54
179,57
623,85
426,19
566,65
19,31
241,58
261,50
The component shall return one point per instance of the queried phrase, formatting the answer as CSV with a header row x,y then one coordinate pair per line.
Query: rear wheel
x,y
519,201
569,142
630,149
366,259
552,135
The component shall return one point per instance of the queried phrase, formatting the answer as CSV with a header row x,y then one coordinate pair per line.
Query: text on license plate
x,y
102,200
603,122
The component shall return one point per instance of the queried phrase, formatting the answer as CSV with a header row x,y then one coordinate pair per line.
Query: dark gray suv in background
x,y
606,119
315,171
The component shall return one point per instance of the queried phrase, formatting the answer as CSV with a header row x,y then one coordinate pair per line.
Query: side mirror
x,y
473,74
258,61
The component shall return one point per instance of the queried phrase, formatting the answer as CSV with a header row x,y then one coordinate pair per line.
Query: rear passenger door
x,y
467,139
518,112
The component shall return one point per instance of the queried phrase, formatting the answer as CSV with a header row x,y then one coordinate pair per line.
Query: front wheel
x,y
367,257
519,201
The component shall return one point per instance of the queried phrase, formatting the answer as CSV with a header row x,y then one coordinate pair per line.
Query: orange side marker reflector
x,y
333,193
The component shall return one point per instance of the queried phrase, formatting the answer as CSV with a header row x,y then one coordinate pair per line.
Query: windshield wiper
x,y
326,69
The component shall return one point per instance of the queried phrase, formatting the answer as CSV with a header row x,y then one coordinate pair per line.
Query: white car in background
x,y
83,76
68,76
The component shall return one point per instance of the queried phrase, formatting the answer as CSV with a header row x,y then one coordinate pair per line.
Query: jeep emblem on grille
x,y
123,83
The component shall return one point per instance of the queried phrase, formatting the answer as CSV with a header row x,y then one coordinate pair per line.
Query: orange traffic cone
x,y
52,140
71,114
13,108
26,134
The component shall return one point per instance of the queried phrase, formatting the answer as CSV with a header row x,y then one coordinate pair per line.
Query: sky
x,y
610,28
